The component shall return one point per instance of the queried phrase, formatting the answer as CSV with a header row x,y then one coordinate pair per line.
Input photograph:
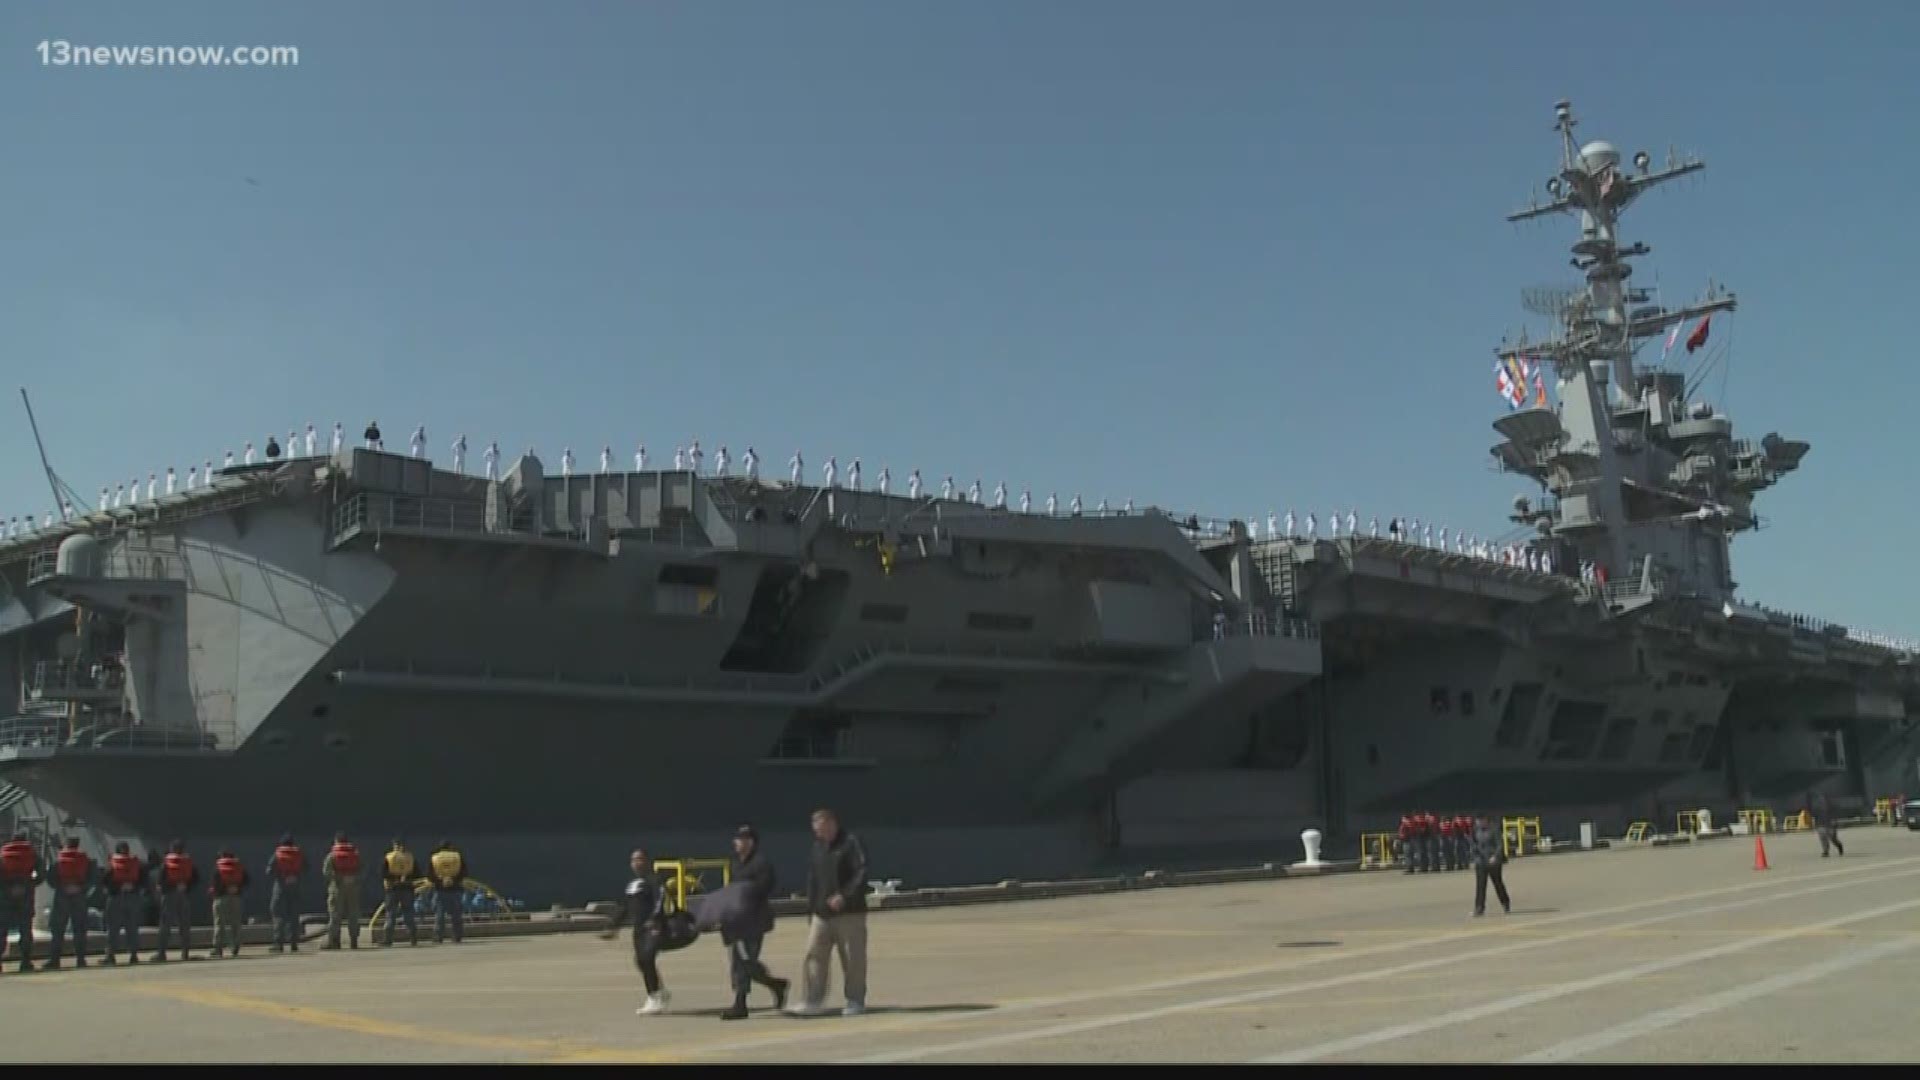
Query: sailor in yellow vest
x,y
342,871
448,872
397,876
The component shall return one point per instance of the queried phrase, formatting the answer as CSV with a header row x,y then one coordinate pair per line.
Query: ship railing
x,y
1259,624
378,510
51,732
52,678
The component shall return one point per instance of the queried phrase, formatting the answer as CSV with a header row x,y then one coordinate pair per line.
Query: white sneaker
x,y
801,1008
656,1004
854,1008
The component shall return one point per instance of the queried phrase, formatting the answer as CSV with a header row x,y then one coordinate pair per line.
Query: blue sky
x,y
1212,255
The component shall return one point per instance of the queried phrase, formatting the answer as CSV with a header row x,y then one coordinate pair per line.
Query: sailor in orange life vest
x,y
342,871
73,878
127,888
228,890
177,879
19,875
285,869
396,879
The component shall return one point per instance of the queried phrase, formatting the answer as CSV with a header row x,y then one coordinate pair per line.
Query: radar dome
x,y
1598,155
79,556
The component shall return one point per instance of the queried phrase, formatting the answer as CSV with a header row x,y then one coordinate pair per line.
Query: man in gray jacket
x,y
1487,860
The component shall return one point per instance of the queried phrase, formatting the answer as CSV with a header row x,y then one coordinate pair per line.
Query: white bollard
x,y
1310,840
1586,835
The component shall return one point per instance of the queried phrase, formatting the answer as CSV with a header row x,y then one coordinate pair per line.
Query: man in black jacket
x,y
743,940
1488,856
837,904
645,908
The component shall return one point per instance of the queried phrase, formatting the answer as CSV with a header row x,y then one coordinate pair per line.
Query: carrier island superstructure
x,y
551,668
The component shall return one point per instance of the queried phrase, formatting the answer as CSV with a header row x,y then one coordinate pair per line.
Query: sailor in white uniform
x,y
1426,536
1000,495
193,477
885,479
1075,508
606,459
1311,528
310,440
695,456
459,451
750,464
1289,522
679,459
1101,509
853,474
169,479
206,474
1026,500
1129,507
1053,504
104,495
946,487
795,464
640,457
1273,525
566,460
419,441
119,495
830,469
913,485
1443,538
1353,523
1333,525
339,438
492,459
720,461
247,459
973,493
1546,562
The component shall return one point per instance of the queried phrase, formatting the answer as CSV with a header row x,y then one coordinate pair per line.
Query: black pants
x,y
744,967
646,955
1482,873
1830,835
16,913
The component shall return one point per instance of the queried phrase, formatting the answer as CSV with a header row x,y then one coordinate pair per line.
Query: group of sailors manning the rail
x,y
127,885
1428,843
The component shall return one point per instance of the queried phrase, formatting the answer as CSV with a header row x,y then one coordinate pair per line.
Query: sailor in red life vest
x,y
342,871
127,886
1408,843
285,869
73,878
177,877
1431,836
1446,842
229,887
1463,837
19,875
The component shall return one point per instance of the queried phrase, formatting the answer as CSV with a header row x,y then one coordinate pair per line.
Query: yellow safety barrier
x,y
686,877
421,885
1687,822
1757,820
1883,811
1376,850
1796,822
1514,834
1637,832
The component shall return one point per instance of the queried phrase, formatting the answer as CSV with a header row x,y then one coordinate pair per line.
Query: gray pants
x,y
285,907
123,923
174,916
447,905
843,934
227,917
70,912
343,906
400,904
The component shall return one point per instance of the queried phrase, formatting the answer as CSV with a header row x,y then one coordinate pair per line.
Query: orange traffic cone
x,y
1760,852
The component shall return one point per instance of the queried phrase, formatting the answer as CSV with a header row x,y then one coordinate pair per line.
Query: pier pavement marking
x,y
870,1028
360,1025
1720,1002
1134,1017
1579,986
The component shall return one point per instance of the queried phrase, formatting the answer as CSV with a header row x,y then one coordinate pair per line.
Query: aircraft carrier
x,y
549,668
